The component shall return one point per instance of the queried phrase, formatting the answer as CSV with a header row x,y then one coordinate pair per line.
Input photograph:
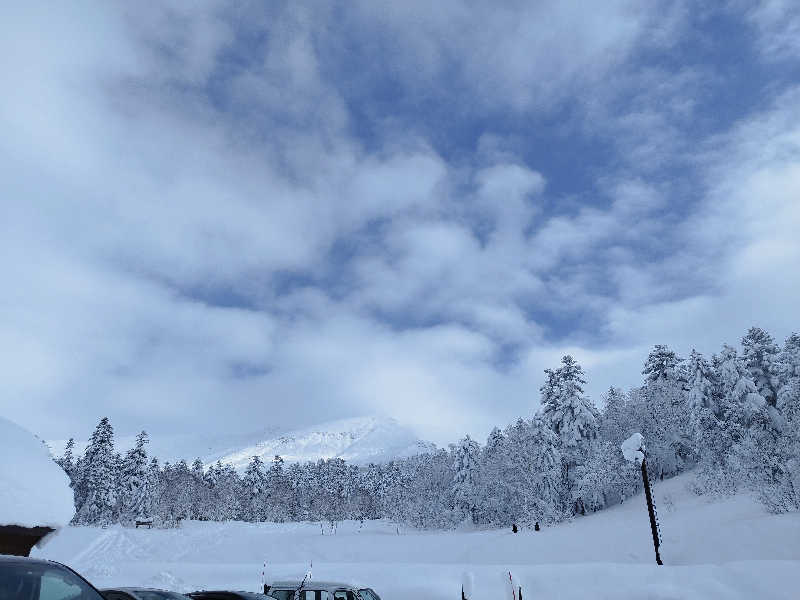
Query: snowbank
x,y
730,548
34,491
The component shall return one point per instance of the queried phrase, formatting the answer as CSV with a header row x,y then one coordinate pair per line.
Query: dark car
x,y
134,593
23,578
227,595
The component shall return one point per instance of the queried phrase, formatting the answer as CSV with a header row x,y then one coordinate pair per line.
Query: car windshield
x,y
36,581
368,594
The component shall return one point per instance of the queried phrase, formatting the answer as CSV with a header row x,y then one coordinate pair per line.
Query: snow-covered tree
x,y
760,357
614,420
135,493
662,413
255,487
565,408
466,462
571,416
99,477
788,401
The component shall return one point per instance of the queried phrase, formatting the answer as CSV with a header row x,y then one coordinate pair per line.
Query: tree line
x,y
734,418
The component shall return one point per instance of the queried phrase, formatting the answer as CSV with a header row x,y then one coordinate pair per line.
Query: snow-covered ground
x,y
725,549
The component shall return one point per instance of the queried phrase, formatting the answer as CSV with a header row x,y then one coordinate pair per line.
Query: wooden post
x,y
651,510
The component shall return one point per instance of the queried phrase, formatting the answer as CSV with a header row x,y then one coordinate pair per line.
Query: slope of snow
x,y
34,491
360,441
727,549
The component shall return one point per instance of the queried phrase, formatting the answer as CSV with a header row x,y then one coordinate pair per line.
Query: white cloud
x,y
156,177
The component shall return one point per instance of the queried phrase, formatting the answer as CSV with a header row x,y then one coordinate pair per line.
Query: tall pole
x,y
651,510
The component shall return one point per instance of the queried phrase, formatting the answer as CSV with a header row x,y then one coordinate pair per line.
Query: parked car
x,y
320,590
133,593
23,578
228,595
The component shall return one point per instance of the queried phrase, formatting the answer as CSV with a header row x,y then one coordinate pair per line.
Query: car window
x,y
344,595
282,594
36,581
368,594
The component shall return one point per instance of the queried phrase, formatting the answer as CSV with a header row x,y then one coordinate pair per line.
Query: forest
x,y
733,418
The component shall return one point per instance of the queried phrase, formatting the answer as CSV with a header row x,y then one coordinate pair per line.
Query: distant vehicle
x,y
227,595
320,590
133,593
23,578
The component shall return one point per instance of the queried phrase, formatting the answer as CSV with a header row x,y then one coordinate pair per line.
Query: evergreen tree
x,y
255,486
614,423
788,401
565,409
466,462
67,460
663,413
136,493
99,476
760,358
571,416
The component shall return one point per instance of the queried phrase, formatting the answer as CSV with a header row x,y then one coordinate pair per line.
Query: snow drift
x,y
34,491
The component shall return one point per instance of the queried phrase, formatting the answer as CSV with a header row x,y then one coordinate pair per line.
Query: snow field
x,y
722,549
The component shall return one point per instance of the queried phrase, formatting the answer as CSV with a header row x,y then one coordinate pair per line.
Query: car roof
x,y
246,594
135,589
9,558
315,585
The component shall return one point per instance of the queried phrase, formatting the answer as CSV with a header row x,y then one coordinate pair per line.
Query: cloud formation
x,y
216,216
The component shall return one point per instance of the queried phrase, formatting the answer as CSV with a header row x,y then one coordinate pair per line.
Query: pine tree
x,y
466,463
614,426
278,491
569,413
571,416
67,461
533,470
255,486
136,494
99,477
788,401
664,416
760,357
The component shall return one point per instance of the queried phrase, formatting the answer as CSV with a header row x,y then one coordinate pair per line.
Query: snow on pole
x,y
634,451
467,585
633,448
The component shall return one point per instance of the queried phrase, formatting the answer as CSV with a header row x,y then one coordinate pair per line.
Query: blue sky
x,y
223,215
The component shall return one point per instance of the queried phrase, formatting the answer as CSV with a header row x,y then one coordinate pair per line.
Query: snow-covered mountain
x,y
359,440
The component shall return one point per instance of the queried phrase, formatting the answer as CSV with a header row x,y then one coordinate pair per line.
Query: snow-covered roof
x,y
34,491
